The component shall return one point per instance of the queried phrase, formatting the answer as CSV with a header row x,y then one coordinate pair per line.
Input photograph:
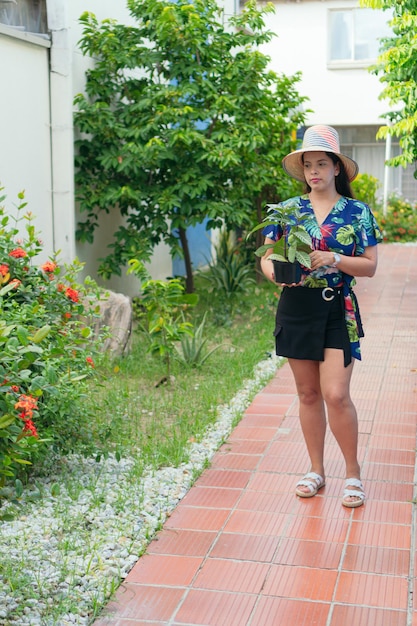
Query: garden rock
x,y
116,314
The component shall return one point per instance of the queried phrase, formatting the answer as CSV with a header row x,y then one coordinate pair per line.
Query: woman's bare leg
x,y
312,412
335,385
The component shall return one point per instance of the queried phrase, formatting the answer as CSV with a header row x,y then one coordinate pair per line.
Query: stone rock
x,y
116,314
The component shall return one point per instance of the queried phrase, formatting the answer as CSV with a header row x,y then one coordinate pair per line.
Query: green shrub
x,y
47,350
365,188
399,224
229,274
160,312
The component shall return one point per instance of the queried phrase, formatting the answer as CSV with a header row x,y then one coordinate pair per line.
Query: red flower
x,y
28,404
72,294
90,361
18,253
67,316
15,282
30,427
61,287
49,266
4,269
15,388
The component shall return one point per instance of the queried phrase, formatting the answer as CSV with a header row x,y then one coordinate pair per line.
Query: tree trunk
x,y
189,278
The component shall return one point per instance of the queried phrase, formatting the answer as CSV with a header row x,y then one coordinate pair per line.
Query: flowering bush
x,y
47,349
399,224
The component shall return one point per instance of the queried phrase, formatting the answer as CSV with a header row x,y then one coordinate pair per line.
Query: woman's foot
x,y
308,486
353,494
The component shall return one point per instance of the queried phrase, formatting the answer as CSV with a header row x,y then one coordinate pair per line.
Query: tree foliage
x,y
397,67
181,122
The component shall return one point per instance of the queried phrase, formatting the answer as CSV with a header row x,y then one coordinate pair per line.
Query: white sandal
x,y
355,493
313,482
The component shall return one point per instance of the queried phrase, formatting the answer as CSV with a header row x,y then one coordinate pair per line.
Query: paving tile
x,y
389,592
394,473
285,612
394,457
114,621
215,608
182,542
383,535
347,614
393,492
245,547
144,602
386,512
291,465
236,461
233,479
314,554
244,446
230,575
300,583
318,529
377,560
256,522
262,501
212,497
257,433
162,569
195,518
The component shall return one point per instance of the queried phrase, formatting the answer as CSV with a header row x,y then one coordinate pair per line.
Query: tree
x,y
182,121
397,67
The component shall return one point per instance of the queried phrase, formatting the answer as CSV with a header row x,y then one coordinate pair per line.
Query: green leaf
x,y
41,333
6,420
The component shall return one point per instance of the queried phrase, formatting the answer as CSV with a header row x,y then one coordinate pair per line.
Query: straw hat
x,y
319,138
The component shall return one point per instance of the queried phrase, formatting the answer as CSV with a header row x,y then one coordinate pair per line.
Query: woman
x,y
318,323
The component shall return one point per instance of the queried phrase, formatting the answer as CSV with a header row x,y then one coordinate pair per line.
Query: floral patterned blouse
x,y
348,229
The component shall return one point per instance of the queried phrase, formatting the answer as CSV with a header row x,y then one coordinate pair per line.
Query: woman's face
x,y
320,171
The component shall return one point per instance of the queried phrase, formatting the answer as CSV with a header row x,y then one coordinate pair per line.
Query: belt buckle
x,y
325,294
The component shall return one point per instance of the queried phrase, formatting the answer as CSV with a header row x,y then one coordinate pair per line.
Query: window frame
x,y
352,62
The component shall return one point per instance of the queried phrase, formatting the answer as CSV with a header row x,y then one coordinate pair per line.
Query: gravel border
x,y
73,548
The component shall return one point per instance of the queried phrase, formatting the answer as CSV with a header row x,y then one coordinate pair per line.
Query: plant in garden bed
x,y
293,247
46,351
162,305
229,275
399,223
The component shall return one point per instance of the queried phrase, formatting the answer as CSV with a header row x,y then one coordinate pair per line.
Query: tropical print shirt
x,y
348,229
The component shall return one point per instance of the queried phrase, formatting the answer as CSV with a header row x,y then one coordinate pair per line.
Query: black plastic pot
x,y
286,272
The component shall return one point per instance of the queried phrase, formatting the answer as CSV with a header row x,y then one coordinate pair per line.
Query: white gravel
x,y
79,537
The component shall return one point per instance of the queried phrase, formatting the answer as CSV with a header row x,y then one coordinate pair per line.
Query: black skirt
x,y
308,320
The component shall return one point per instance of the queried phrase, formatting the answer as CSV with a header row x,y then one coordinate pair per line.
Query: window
x,y
25,15
355,34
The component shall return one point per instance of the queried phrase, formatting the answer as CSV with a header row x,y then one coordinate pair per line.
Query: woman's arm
x,y
266,265
363,265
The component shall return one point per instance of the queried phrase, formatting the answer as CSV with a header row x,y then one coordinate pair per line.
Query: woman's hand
x,y
319,258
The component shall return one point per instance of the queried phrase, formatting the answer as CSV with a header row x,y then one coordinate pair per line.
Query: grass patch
x,y
141,413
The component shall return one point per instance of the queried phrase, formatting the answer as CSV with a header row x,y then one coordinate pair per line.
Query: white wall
x,y
339,97
25,157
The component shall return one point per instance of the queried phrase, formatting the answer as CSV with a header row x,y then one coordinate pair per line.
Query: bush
x,y
365,188
399,224
229,275
47,350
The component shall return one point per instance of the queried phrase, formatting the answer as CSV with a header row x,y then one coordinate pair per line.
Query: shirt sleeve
x,y
368,233
273,232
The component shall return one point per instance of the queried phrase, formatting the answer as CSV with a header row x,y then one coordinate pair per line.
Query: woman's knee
x,y
337,397
309,395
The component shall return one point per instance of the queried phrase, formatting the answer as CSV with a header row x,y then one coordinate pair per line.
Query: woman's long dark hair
x,y
343,185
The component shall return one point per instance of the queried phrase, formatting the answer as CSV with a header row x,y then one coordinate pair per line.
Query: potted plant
x,y
293,248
